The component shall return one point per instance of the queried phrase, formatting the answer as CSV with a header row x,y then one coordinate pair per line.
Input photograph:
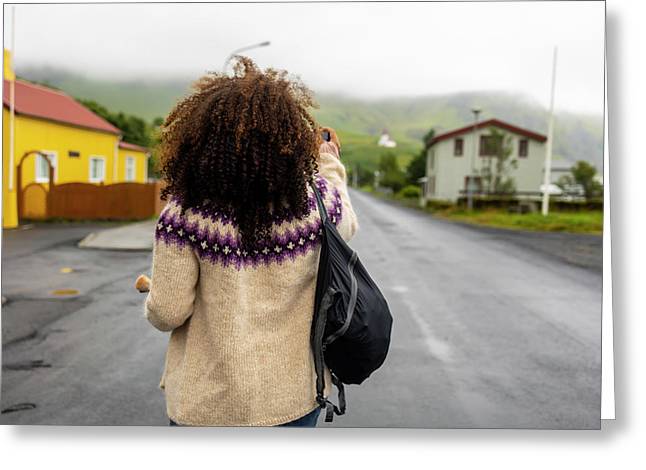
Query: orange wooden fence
x,y
121,201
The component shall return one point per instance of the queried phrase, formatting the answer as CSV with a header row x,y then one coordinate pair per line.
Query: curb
x,y
138,236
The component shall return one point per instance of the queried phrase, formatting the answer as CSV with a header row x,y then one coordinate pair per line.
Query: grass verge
x,y
590,222
574,222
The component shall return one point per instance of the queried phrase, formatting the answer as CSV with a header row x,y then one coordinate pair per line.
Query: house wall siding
x,y
141,163
39,134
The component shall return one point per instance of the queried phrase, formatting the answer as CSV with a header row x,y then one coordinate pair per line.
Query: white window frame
x,y
133,160
96,158
520,141
53,155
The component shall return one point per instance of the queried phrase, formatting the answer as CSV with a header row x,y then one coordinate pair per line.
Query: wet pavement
x,y
489,331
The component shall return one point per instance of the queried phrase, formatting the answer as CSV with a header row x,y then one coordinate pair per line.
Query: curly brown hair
x,y
244,145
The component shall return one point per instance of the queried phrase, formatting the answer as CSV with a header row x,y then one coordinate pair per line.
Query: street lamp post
x,y
547,175
242,49
476,112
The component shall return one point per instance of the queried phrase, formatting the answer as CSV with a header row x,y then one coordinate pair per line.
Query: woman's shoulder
x,y
332,169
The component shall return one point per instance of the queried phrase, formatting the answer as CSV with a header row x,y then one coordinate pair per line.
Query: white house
x,y
386,141
453,157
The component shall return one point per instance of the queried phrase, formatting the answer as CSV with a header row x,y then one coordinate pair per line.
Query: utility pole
x,y
547,176
470,181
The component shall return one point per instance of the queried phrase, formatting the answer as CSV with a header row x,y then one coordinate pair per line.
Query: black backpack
x,y
352,322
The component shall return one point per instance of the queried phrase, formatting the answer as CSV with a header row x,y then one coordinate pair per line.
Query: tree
x,y
364,175
582,174
391,176
416,169
496,178
135,130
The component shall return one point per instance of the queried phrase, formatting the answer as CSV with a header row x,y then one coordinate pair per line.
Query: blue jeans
x,y
307,421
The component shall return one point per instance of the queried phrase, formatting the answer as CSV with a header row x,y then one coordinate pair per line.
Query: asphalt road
x,y
490,330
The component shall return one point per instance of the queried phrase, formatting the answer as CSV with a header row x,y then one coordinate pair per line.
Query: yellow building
x,y
82,146
132,163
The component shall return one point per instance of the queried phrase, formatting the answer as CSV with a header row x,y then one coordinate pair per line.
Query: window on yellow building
x,y
42,168
130,169
97,169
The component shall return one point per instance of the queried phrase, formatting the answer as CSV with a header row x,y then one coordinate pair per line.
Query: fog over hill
x,y
577,136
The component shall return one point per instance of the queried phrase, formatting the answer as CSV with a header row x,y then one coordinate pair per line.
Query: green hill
x,y
360,122
577,136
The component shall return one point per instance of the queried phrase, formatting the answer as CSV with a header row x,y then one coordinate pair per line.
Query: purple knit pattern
x,y
223,249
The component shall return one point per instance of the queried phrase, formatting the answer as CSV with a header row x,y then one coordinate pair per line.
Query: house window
x,y
523,147
42,168
130,169
490,145
474,183
97,169
458,147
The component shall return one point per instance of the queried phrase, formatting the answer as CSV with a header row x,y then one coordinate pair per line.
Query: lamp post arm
x,y
242,49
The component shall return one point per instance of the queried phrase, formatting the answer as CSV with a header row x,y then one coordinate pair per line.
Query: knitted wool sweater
x,y
239,352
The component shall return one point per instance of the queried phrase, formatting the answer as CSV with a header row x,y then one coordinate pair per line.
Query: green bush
x,y
410,192
434,205
391,175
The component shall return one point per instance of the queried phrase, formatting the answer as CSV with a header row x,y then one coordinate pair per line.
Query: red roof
x,y
46,103
490,123
129,146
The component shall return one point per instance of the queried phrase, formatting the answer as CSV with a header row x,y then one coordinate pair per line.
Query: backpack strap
x,y
318,331
331,409
319,361
319,202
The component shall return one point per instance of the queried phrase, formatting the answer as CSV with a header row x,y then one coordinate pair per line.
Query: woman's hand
x,y
333,146
142,284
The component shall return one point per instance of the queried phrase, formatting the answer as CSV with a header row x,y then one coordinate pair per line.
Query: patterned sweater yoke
x,y
240,317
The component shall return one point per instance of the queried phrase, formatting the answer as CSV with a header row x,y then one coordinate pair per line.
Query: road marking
x,y
436,347
64,292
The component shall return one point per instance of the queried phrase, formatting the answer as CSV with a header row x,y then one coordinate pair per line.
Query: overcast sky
x,y
366,50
